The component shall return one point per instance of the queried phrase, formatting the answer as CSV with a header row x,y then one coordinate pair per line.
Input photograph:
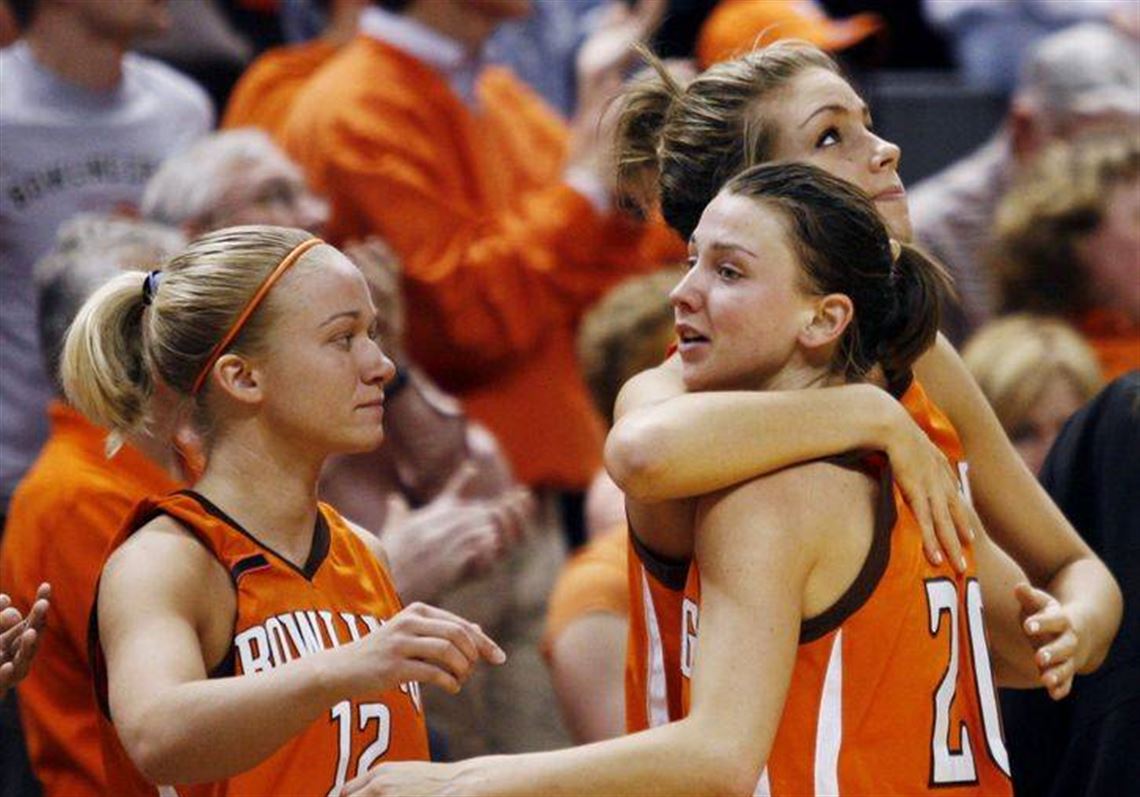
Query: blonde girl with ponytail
x,y
246,638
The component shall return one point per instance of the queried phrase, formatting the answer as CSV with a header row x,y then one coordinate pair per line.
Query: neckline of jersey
x,y
317,553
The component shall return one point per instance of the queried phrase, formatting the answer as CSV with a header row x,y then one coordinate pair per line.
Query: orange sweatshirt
x,y
265,93
500,256
62,517
1115,339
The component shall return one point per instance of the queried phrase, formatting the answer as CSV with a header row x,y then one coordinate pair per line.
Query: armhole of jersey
x,y
874,566
95,660
670,572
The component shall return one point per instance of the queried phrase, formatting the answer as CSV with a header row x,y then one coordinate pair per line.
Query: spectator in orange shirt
x,y
264,94
503,219
69,506
1068,244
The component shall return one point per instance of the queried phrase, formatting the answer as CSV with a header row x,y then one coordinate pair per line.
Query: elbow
x,y
739,781
730,764
737,771
1112,613
635,458
153,753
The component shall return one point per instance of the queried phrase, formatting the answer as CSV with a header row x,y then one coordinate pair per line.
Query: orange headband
x,y
249,309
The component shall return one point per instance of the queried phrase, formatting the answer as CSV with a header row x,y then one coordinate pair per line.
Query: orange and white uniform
x,y
663,626
892,691
656,632
284,612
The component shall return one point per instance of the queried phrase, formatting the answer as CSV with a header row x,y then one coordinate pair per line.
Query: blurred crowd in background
x,y
457,151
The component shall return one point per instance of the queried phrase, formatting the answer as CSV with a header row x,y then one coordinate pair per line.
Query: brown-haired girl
x,y
246,639
824,631
789,102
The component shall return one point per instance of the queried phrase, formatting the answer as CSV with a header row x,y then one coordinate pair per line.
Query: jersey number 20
x,y
949,766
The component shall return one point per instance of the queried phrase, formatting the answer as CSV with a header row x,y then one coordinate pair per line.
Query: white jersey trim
x,y
656,691
829,731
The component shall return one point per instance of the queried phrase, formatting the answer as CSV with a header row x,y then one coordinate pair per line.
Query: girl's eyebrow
x,y
835,108
353,314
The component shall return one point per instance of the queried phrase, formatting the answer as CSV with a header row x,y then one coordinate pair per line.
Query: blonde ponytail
x,y
103,368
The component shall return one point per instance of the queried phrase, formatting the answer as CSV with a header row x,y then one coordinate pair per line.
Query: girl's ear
x,y
833,313
238,378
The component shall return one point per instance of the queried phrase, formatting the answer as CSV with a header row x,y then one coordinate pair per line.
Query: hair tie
x,y
150,287
252,305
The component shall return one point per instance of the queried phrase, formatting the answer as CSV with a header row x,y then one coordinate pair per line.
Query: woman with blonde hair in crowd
x,y
1036,372
267,335
1068,245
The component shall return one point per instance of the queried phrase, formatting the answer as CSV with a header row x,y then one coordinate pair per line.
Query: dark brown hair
x,y
685,141
844,247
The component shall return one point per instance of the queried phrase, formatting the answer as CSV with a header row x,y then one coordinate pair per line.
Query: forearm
x,y
1087,590
694,444
227,725
680,758
587,669
1018,513
426,435
1012,652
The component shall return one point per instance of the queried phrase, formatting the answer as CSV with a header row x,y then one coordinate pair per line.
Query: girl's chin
x,y
363,444
897,217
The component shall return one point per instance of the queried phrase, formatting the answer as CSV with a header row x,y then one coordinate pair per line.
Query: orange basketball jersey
x,y
653,649
283,612
892,690
662,625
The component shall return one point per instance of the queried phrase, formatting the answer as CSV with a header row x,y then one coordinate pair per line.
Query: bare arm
x,y
739,682
426,434
587,668
668,444
161,591
1019,514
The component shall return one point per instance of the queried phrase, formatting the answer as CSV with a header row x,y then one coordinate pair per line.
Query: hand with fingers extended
x,y
1054,634
420,643
20,636
932,491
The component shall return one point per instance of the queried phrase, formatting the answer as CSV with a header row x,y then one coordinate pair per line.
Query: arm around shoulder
x,y
669,444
